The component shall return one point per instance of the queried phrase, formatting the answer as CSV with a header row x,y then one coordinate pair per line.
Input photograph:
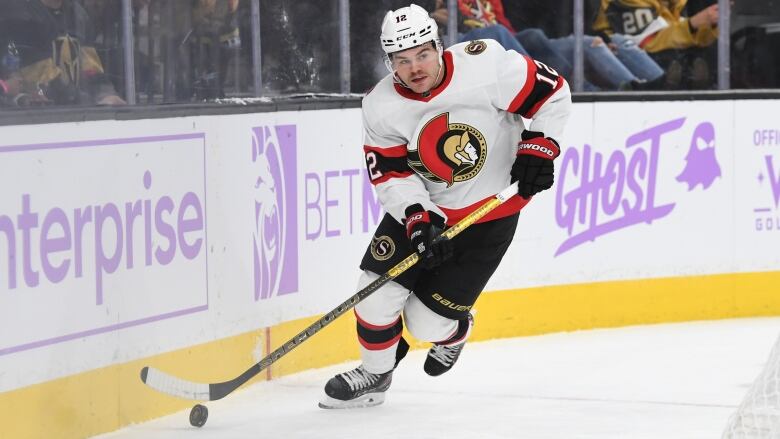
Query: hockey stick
x,y
181,388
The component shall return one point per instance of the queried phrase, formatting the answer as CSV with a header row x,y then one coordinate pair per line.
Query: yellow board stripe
x,y
109,398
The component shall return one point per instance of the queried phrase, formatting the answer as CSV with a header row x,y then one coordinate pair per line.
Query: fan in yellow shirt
x,y
681,45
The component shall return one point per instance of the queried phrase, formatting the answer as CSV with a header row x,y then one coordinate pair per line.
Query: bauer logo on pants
x,y
275,237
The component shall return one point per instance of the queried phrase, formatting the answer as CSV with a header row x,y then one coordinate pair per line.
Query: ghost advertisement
x,y
598,195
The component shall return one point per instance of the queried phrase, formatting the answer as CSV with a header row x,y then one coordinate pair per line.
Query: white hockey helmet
x,y
408,27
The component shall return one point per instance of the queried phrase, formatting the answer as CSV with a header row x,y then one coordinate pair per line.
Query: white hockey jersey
x,y
453,148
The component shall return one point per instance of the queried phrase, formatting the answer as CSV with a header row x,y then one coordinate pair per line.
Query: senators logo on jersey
x,y
382,247
448,152
475,47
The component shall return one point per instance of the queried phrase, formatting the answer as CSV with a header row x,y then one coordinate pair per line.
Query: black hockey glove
x,y
422,228
533,166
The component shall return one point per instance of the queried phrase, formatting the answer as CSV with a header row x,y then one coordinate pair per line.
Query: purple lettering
x,y
26,221
330,203
566,205
774,179
49,245
190,225
615,177
313,206
637,170
81,218
111,224
350,173
653,134
372,208
766,137
7,226
132,210
148,232
597,197
164,257
103,264
148,221
326,206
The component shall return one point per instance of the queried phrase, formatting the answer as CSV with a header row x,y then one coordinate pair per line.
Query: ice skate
x,y
441,358
356,388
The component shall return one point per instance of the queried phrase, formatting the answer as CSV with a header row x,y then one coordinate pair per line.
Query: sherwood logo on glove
x,y
538,145
534,147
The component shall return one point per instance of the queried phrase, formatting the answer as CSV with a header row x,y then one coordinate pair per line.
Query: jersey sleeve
x,y
533,90
396,184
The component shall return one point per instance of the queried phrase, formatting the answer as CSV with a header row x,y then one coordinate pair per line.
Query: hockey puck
x,y
198,415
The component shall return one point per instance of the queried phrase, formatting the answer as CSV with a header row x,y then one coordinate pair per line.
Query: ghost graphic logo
x,y
275,197
597,195
448,152
701,166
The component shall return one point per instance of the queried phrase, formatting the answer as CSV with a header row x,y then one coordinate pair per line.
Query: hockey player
x,y
441,137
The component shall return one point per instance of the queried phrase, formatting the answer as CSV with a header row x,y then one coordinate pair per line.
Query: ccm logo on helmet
x,y
535,147
403,37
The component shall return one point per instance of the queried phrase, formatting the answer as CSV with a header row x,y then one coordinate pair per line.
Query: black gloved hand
x,y
533,166
422,228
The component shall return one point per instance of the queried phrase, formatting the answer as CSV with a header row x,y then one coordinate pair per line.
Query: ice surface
x,y
660,381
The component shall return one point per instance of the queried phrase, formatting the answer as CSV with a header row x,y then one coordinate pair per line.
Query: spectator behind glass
x,y
604,68
486,19
682,46
57,61
10,79
106,25
213,40
205,36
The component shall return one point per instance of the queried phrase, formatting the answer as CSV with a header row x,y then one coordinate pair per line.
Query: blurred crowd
x,y
72,52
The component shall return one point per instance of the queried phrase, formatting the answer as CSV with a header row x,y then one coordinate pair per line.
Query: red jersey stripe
x,y
541,102
390,151
510,207
390,175
367,325
530,80
379,346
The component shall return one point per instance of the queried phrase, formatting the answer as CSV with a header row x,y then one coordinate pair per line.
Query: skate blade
x,y
367,400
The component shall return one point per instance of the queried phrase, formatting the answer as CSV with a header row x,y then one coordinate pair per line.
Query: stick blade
x,y
171,385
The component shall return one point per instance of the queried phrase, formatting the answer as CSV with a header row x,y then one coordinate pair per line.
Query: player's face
x,y
418,67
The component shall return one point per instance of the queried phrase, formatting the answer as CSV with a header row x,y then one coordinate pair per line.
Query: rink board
x,y
197,244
